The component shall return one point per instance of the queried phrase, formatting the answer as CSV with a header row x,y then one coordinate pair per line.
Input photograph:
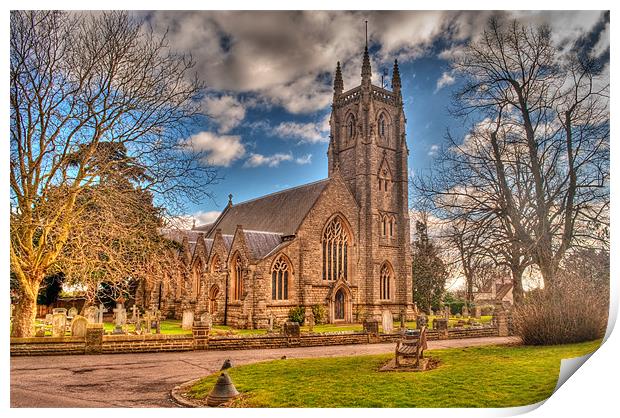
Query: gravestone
x,y
402,319
148,321
102,309
48,319
59,324
371,326
291,329
91,314
270,328
72,312
135,314
120,318
158,322
206,320
188,319
465,311
446,313
421,321
387,320
431,312
477,312
311,321
59,310
78,326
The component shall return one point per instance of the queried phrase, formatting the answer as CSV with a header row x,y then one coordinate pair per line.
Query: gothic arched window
x,y
237,279
213,293
385,280
215,264
381,125
351,127
392,221
279,279
335,250
383,225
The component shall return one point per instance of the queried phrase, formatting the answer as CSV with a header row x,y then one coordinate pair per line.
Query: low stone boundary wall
x,y
118,344
146,343
42,346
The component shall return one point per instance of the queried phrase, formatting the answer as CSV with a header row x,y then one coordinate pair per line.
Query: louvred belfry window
x,y
335,251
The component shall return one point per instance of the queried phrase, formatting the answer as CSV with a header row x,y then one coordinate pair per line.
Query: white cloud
x,y
225,110
257,160
305,159
433,150
287,58
217,150
207,217
446,79
304,132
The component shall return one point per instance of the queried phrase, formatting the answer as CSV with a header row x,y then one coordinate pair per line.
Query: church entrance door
x,y
339,306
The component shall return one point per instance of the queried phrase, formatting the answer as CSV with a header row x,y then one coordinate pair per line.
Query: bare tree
x,y
552,111
79,80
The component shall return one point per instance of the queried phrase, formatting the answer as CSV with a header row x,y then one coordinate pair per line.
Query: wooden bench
x,y
411,346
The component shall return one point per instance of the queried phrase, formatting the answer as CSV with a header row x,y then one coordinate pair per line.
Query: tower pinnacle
x,y
396,78
338,83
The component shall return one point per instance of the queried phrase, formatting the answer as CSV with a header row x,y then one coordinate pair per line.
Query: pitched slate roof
x,y
261,243
281,212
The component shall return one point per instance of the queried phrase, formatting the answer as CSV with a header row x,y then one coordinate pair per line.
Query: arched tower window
x,y
279,279
351,127
213,293
381,125
237,279
385,280
383,225
392,226
335,250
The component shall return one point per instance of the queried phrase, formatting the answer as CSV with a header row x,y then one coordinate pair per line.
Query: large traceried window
x,y
385,280
237,282
335,251
279,279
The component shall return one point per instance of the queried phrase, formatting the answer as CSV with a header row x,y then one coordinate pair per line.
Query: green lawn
x,y
493,376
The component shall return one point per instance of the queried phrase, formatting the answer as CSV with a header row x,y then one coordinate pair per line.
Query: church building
x,y
342,242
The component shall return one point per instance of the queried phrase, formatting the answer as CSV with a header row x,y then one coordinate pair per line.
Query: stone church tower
x,y
368,148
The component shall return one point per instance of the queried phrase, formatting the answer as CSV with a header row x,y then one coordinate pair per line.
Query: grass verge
x,y
486,377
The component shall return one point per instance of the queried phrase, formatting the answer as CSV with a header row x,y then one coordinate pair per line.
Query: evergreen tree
x,y
429,270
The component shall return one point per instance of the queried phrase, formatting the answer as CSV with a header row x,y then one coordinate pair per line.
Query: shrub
x,y
320,314
487,310
574,310
297,314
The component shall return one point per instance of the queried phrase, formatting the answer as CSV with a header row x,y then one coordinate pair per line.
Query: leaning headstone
x,y
91,314
477,312
72,312
387,320
78,326
59,324
148,321
135,314
188,319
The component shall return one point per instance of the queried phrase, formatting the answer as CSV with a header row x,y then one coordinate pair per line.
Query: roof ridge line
x,y
280,191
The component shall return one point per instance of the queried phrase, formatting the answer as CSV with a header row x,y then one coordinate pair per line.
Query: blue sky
x,y
269,84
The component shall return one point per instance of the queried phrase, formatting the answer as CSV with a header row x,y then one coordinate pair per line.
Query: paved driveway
x,y
145,380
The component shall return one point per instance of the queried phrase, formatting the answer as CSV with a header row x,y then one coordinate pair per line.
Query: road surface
x,y
145,379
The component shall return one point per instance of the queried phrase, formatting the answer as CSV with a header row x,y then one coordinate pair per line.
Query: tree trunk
x,y
25,311
517,284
